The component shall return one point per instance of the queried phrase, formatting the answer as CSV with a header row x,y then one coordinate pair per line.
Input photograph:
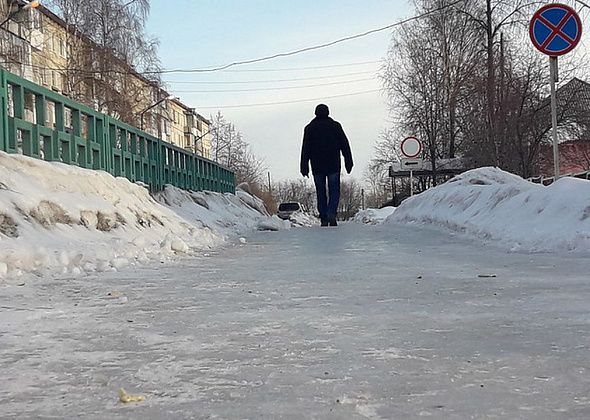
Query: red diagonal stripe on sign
x,y
556,30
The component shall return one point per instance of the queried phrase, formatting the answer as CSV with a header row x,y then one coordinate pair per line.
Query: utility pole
x,y
363,198
269,185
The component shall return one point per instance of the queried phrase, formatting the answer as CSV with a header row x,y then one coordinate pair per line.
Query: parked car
x,y
286,210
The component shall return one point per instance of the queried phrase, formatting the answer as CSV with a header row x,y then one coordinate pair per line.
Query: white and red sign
x,y
411,147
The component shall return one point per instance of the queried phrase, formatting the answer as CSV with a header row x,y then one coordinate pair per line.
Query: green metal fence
x,y
40,123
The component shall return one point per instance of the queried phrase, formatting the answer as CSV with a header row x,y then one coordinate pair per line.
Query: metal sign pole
x,y
555,30
411,183
553,67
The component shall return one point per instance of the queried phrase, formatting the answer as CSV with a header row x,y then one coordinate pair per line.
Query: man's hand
x,y
348,168
305,174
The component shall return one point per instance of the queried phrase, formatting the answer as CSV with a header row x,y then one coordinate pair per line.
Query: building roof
x,y
190,109
573,100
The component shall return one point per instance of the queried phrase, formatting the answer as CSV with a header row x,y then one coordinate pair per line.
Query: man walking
x,y
323,141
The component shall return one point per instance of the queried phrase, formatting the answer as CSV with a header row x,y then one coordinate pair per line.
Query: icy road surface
x,y
354,322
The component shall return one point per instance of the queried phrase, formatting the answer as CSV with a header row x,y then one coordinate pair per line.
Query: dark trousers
x,y
327,203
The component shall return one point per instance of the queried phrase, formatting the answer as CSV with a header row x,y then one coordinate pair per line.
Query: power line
x,y
308,68
275,88
312,48
269,81
267,58
289,102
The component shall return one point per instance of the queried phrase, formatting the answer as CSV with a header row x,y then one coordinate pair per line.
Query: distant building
x,y
574,158
189,130
573,109
40,46
15,48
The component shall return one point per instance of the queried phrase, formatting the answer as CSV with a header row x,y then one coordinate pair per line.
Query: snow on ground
x,y
502,208
59,218
304,219
225,214
373,216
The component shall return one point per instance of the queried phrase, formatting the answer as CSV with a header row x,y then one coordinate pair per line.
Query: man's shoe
x,y
333,222
324,222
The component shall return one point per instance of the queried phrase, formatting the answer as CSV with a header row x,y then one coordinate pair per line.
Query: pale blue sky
x,y
208,33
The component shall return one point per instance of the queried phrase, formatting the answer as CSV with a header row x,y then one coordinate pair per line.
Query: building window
x,y
30,111
50,114
44,77
37,20
10,95
68,126
62,48
118,84
84,126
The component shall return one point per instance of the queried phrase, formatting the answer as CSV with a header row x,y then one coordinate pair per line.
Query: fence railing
x,y
548,180
41,123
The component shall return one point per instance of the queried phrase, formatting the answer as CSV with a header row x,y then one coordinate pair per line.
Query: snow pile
x,y
63,219
494,205
373,216
226,214
303,219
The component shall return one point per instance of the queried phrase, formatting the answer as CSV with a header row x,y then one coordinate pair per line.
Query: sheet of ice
x,y
58,218
354,322
502,208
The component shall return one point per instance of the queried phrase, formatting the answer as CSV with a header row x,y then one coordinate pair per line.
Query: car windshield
x,y
289,207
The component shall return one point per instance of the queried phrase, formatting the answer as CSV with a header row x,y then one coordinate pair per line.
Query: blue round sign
x,y
555,29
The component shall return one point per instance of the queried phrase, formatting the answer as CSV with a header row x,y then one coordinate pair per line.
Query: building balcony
x,y
191,131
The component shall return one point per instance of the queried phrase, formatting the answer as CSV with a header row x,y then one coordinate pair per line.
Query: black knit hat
x,y
322,110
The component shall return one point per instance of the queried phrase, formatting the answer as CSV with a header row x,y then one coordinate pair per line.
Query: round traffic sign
x,y
411,147
555,29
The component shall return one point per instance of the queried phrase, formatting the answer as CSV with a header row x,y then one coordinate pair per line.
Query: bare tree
x,y
426,72
300,190
386,153
494,20
350,199
378,184
15,49
112,63
230,148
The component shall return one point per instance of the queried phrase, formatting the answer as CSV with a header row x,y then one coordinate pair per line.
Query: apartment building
x,y
189,129
15,49
49,51
38,45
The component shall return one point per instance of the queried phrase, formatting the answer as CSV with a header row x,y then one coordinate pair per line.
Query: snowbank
x,y
303,219
494,205
226,214
60,218
373,216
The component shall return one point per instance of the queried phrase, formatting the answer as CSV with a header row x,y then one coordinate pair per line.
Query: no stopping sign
x,y
555,29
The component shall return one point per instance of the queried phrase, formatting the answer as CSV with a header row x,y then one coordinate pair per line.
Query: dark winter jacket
x,y
323,141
